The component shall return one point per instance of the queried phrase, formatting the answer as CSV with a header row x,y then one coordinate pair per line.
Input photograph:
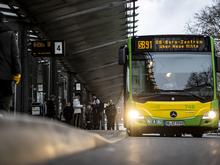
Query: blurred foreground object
x,y
26,140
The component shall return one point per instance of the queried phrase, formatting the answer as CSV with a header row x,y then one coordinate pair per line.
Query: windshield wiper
x,y
151,96
199,86
171,92
200,98
186,93
147,95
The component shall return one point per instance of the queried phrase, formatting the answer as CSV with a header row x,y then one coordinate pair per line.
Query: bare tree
x,y
207,21
199,79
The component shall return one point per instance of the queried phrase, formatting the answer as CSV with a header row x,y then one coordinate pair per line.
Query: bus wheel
x,y
179,135
170,134
133,132
162,134
197,135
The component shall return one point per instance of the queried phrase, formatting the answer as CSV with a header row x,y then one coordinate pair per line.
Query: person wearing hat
x,y
10,68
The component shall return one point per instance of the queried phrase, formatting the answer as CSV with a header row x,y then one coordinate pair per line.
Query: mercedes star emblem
x,y
173,114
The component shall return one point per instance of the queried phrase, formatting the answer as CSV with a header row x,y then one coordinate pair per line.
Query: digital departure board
x,y
171,43
47,48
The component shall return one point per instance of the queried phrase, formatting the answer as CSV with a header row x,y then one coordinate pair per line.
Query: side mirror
x,y
218,64
123,51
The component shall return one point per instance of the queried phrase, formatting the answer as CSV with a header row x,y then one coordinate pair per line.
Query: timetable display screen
x,y
171,43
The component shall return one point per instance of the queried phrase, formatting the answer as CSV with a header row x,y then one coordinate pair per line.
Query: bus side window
x,y
218,62
218,83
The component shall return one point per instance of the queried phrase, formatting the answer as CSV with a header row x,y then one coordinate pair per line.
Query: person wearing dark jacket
x,y
68,113
96,112
110,112
51,107
10,69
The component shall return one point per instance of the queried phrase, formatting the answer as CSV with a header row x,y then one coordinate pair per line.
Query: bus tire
x,y
179,135
197,135
162,134
169,134
134,132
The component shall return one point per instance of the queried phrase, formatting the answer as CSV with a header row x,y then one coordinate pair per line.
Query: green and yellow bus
x,y
170,85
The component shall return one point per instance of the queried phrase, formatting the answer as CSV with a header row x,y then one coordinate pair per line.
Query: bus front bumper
x,y
190,125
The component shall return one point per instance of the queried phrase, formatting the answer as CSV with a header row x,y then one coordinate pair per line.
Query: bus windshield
x,y
187,74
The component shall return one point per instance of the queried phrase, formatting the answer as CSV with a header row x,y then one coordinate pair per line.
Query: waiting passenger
x,y
111,112
96,112
51,107
89,117
68,113
77,111
10,69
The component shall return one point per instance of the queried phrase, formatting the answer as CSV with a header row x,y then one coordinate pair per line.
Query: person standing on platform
x,y
10,68
96,112
89,117
110,112
68,113
51,107
77,111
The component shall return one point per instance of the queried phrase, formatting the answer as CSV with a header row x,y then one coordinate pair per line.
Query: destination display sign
x,y
47,48
171,43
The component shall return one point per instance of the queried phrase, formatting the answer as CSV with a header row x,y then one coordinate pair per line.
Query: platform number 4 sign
x,y
58,48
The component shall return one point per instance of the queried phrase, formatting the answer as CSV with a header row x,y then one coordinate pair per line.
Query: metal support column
x,y
24,103
70,87
46,80
53,77
53,81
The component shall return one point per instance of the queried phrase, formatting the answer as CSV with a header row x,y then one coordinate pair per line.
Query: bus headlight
x,y
209,115
134,114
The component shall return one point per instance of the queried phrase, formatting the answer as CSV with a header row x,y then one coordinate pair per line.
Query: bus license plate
x,y
174,123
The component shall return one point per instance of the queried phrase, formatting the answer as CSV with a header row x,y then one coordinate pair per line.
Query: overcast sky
x,y
167,16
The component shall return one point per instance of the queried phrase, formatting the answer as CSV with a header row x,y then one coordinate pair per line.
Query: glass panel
x,y
173,72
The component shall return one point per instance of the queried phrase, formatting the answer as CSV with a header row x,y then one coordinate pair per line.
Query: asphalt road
x,y
150,150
